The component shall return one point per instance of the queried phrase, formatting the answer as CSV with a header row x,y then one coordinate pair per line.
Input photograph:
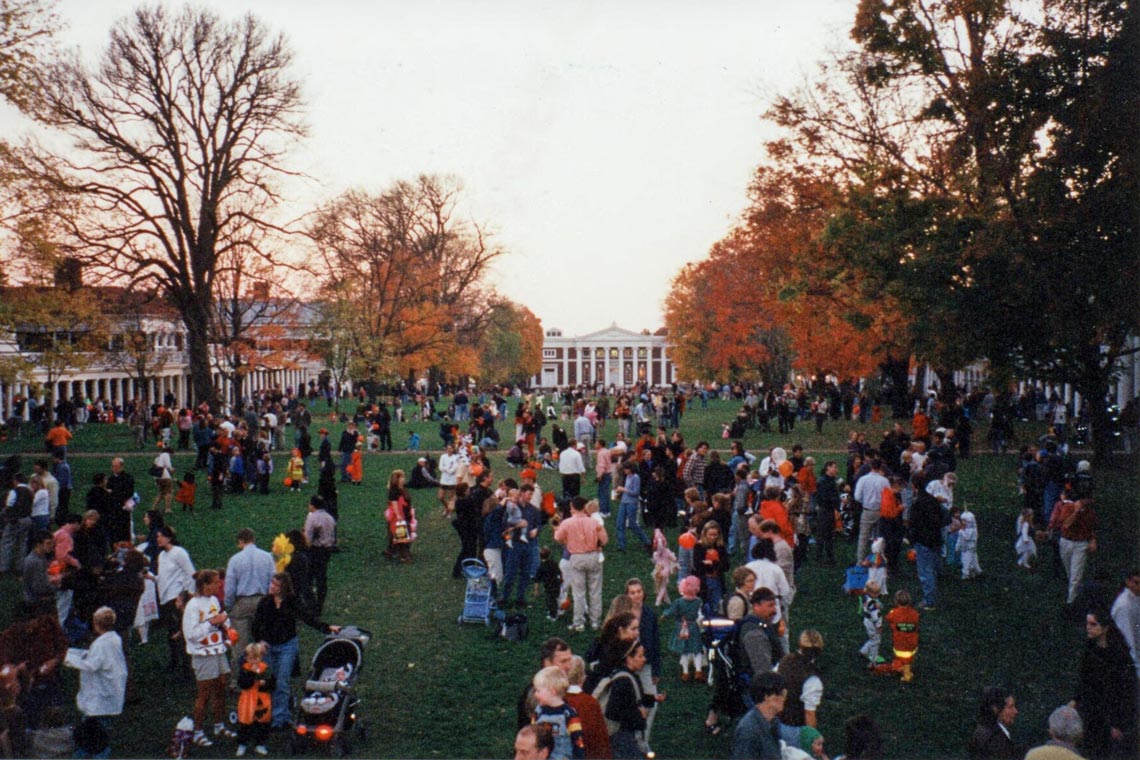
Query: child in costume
x,y
664,565
951,546
295,471
876,564
903,620
968,545
685,543
355,467
186,492
254,703
872,611
1025,546
686,640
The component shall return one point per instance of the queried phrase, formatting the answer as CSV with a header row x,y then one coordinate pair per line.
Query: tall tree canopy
x,y
179,136
413,273
983,188
26,27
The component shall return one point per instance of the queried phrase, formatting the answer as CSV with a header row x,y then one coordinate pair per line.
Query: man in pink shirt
x,y
603,476
583,537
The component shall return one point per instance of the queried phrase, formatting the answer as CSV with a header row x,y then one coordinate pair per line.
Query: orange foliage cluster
x,y
776,272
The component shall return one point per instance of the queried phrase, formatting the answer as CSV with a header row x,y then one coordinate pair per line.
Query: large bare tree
x,y
179,136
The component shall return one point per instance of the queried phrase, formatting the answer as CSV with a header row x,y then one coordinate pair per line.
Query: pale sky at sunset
x,y
607,143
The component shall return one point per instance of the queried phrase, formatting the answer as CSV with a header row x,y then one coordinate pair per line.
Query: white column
x,y
565,365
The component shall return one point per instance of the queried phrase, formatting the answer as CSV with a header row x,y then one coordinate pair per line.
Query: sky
x,y
606,144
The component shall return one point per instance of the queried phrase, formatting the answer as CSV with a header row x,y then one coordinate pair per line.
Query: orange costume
x,y
904,639
806,476
185,495
776,511
355,468
921,425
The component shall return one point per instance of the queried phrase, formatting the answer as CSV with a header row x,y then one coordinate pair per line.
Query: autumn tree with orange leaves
x,y
775,291
403,281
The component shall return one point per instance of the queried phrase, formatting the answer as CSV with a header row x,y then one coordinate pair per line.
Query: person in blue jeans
x,y
630,491
926,535
275,623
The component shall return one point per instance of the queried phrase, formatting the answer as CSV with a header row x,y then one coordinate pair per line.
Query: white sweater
x,y
202,637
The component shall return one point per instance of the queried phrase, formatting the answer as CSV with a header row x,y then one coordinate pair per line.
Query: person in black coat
x,y
826,507
1106,690
991,739
117,520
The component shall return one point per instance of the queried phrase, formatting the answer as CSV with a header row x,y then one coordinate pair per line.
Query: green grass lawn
x,y
433,688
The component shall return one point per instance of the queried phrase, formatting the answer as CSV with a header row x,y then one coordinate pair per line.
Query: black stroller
x,y
328,713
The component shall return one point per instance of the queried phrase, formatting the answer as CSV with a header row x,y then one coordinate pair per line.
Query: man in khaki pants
x,y
248,574
584,538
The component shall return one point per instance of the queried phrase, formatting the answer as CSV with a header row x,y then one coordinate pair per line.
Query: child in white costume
x,y
968,545
876,564
872,612
1025,546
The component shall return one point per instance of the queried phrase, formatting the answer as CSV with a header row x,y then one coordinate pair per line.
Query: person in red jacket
x,y
594,731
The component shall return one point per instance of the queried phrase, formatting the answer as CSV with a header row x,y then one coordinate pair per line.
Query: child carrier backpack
x,y
602,693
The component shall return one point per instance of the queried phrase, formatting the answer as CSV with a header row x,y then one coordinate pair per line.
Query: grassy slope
x,y
434,689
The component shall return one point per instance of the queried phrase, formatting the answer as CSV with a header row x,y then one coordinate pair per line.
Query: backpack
x,y
514,627
602,693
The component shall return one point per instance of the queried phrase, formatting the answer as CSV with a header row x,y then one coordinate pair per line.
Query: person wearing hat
x,y
324,450
422,476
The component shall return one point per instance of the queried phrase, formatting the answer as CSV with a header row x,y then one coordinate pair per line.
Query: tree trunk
x,y
196,318
895,386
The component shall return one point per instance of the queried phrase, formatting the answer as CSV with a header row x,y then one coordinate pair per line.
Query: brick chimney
x,y
259,291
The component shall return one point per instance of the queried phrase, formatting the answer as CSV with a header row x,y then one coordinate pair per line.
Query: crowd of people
x,y
743,526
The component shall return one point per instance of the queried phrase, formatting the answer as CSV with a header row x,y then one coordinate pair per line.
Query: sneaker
x,y
261,750
577,628
222,732
240,751
551,618
927,608
201,740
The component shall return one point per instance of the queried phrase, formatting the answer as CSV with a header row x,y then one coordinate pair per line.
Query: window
x,y
641,353
613,353
548,353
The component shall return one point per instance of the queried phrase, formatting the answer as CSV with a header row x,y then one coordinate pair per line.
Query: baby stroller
x,y
722,643
477,601
329,709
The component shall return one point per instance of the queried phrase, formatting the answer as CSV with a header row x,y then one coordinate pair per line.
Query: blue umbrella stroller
x,y
477,600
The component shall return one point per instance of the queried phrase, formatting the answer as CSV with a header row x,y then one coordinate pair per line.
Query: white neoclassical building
x,y
613,356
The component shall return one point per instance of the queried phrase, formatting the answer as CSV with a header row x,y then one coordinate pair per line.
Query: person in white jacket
x,y
102,671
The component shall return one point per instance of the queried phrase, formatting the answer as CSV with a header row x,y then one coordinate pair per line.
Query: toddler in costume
x,y
876,564
664,565
872,610
968,545
686,640
903,620
253,708
1025,546
685,543
187,490
951,545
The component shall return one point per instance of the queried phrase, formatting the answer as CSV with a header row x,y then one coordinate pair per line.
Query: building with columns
x,y
613,356
144,357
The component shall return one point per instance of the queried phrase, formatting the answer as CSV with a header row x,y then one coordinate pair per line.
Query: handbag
x,y
156,471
